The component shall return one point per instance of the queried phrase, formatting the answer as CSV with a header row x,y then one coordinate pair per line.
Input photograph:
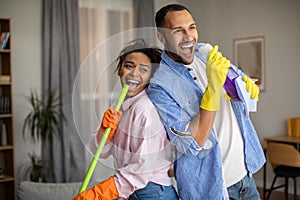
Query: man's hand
x,y
251,87
216,71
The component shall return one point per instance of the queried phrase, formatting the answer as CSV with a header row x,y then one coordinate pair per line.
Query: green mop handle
x,y
102,142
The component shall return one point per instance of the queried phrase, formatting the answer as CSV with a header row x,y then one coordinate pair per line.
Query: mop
x,y
102,142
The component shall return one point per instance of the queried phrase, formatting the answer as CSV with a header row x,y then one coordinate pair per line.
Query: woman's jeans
x,y
153,191
245,189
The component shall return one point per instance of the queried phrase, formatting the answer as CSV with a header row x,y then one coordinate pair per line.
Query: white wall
x,y
26,66
219,22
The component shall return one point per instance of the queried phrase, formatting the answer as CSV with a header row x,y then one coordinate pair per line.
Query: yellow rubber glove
x,y
105,190
216,71
251,87
227,96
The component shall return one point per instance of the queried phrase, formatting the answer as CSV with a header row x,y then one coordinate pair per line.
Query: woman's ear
x,y
119,71
161,38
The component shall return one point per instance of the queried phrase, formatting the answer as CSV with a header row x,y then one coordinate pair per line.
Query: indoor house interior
x,y
85,36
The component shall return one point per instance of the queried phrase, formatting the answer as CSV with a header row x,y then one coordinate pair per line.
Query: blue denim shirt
x,y
198,169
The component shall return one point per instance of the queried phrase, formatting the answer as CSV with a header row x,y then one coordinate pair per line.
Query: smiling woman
x,y
136,64
137,141
135,72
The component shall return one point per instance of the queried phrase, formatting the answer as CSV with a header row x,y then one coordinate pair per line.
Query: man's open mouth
x,y
187,48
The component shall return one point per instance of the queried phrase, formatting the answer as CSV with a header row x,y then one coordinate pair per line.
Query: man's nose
x,y
187,34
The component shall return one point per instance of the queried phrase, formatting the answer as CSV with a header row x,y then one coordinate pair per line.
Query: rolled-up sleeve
x,y
176,122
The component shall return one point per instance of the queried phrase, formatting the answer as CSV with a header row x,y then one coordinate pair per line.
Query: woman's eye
x,y
128,66
144,70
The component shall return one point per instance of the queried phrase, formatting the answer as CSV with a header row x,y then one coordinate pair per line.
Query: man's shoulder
x,y
163,74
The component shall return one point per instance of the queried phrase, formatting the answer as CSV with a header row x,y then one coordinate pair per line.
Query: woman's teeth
x,y
132,83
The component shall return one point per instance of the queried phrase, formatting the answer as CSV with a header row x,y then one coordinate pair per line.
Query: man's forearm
x,y
201,125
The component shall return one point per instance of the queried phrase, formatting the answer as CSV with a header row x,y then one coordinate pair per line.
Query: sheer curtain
x,y
64,157
144,13
101,26
144,17
105,27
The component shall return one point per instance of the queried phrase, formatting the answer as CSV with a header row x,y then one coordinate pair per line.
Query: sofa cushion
x,y
27,190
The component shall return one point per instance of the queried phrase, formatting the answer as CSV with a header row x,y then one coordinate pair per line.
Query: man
x,y
217,146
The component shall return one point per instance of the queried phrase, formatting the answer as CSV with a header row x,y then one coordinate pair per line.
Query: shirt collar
x,y
129,101
175,65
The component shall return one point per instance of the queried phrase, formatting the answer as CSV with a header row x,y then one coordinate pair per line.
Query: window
x,y
99,23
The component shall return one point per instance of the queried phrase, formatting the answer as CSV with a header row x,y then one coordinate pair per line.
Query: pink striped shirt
x,y
141,150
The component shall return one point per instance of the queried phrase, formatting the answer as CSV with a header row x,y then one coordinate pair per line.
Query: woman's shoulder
x,y
144,113
143,104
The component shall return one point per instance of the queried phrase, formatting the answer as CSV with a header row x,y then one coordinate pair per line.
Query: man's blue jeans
x,y
245,189
154,191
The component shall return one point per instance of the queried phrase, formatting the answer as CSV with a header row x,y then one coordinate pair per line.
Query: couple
x,y
217,149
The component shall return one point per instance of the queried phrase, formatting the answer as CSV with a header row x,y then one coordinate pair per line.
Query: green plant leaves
x,y
44,118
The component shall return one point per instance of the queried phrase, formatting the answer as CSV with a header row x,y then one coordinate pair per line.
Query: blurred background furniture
x,y
294,126
285,162
285,139
27,190
292,138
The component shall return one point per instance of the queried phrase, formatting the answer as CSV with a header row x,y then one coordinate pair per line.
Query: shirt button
x,y
195,78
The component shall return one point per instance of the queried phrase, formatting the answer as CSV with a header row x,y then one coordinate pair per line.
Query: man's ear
x,y
161,38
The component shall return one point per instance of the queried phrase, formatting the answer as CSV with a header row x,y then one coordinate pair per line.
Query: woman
x,y
138,141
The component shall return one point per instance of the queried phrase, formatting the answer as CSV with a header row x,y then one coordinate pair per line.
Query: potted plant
x,y
42,122
32,169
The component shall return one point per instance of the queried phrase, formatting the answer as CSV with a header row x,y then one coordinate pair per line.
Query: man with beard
x,y
217,146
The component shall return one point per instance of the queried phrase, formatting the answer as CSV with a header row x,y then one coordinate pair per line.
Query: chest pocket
x,y
186,95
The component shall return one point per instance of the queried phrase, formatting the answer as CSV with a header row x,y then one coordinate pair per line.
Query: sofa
x,y
27,190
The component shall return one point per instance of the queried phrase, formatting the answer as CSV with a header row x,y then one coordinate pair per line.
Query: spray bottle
x,y
229,84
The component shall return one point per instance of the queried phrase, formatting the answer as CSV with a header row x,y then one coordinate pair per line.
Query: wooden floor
x,y
275,195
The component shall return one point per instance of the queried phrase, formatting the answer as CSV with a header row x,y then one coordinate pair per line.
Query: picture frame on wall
x,y
249,56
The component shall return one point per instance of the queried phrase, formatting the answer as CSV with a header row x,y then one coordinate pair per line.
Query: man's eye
x,y
177,31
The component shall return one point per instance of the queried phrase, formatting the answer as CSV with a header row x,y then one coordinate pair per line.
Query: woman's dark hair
x,y
139,45
160,15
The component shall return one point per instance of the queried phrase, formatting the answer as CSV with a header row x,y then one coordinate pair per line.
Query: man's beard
x,y
177,58
173,54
